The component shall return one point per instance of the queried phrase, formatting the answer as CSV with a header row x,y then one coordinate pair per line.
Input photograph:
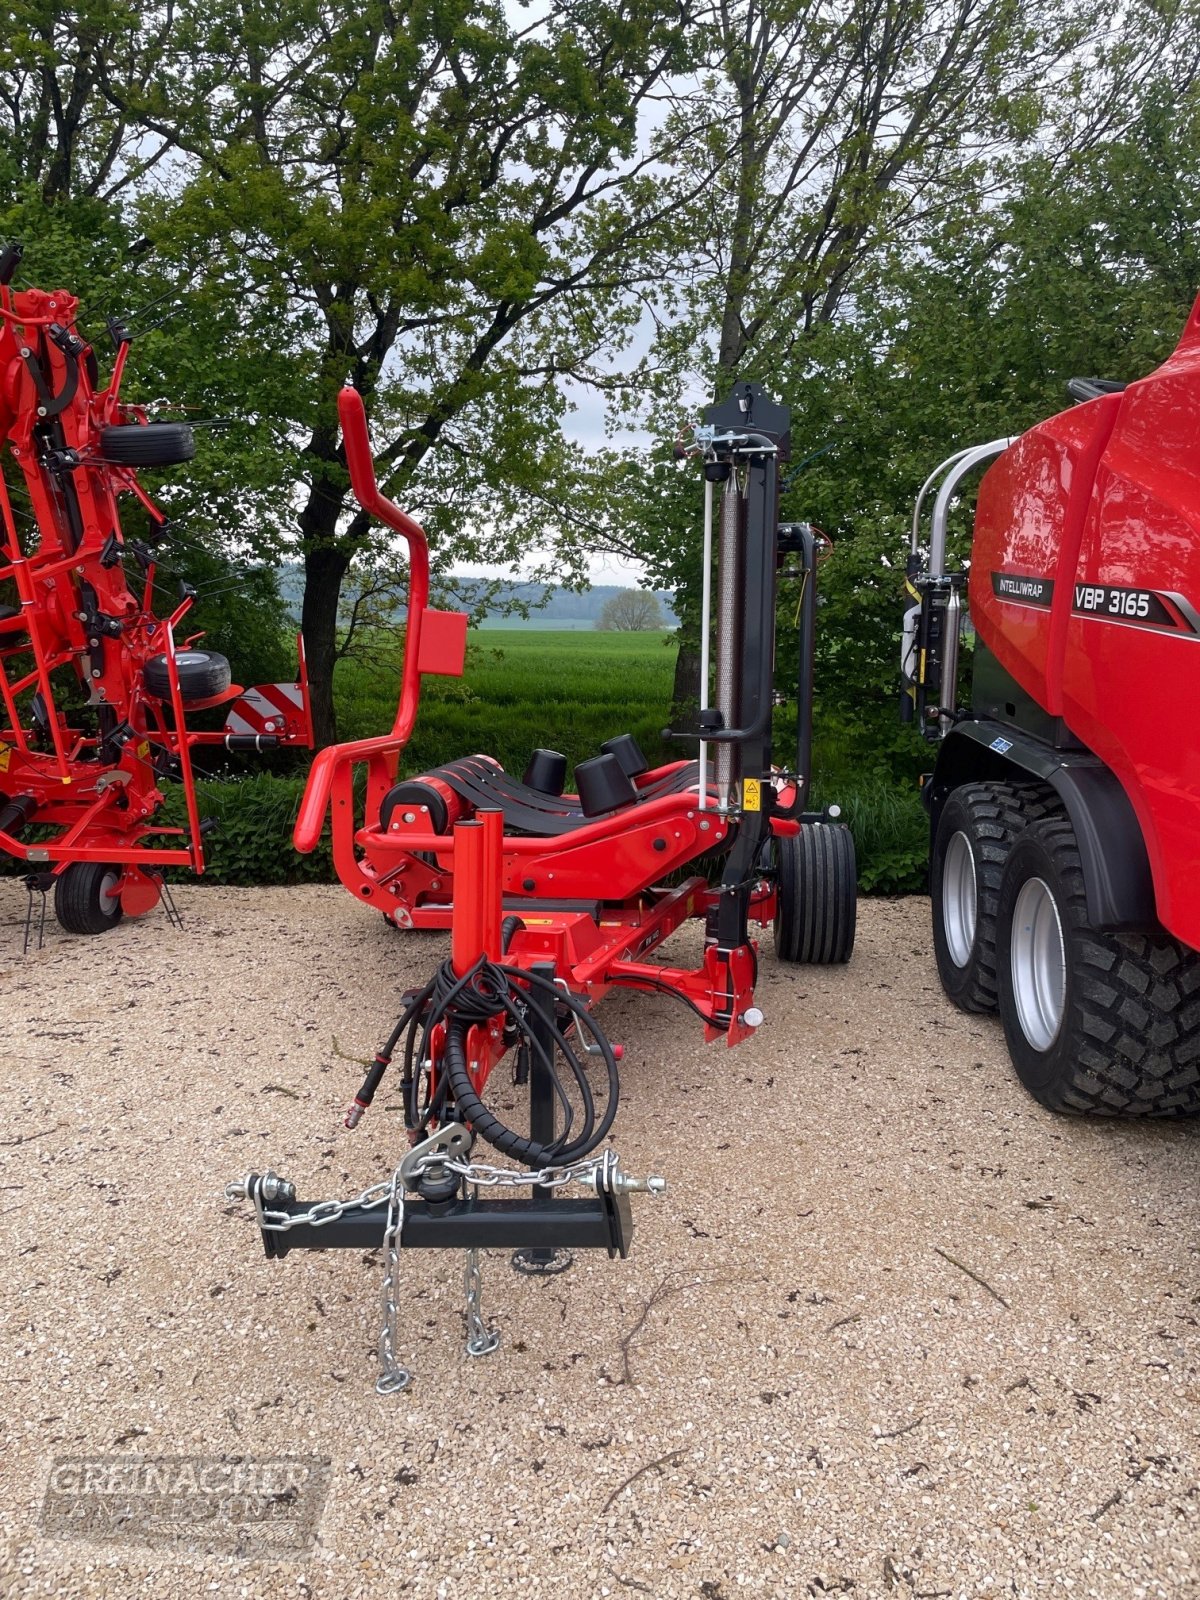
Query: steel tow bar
x,y
602,1221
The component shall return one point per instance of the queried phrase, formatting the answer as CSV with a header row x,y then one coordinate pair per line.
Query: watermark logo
x,y
221,1505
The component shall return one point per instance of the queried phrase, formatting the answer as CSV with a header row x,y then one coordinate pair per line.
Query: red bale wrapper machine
x,y
95,687
553,899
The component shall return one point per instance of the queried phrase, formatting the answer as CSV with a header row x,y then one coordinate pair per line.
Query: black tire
x,y
202,674
974,834
83,897
1128,1036
148,444
818,895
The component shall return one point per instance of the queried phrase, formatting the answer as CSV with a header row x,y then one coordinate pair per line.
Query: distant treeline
x,y
506,600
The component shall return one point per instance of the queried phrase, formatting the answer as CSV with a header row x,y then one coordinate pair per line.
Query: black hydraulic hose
x,y
383,1056
457,1003
494,988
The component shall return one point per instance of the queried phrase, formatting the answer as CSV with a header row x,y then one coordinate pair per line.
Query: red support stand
x,y
478,860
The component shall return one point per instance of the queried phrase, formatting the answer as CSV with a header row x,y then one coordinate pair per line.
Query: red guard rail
x,y
315,803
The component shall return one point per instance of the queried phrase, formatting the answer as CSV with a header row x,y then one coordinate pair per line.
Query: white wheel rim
x,y
1038,964
960,899
109,898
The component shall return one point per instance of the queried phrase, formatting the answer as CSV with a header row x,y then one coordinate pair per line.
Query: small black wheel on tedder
x,y
87,897
202,675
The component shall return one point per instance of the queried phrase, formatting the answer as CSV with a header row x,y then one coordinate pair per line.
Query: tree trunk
x,y
324,568
685,697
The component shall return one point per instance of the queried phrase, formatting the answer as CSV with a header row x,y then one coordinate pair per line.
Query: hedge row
x,y
252,843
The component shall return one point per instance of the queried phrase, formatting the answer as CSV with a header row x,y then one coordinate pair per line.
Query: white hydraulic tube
x,y
941,506
705,627
925,488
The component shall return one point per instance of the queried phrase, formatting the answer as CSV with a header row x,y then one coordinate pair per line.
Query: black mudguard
x,y
1112,849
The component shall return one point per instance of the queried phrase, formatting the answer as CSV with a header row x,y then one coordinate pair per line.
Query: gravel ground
x,y
895,1331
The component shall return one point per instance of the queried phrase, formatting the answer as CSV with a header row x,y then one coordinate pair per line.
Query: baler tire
x,y
1128,1037
84,901
817,887
202,675
147,444
987,817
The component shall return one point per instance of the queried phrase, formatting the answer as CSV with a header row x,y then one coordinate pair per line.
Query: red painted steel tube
x,y
41,673
353,416
466,930
183,751
315,803
491,888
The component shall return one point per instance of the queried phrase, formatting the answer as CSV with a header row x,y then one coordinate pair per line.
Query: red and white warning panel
x,y
268,715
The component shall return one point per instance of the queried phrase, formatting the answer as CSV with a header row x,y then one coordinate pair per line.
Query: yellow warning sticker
x,y
143,749
752,795
5,756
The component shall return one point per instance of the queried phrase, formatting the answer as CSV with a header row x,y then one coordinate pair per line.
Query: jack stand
x,y
36,883
174,915
541,1261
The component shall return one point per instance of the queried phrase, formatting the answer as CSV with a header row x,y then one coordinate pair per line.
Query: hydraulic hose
x,y
487,990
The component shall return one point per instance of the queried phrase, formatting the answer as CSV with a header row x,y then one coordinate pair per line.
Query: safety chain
x,y
481,1340
596,1172
483,1176
392,1376
378,1194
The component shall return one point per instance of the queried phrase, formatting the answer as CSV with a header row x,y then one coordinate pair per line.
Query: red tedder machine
x,y
95,686
1065,799
553,899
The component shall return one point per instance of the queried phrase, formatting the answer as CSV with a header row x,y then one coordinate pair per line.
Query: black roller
x,y
602,784
546,772
16,813
412,795
628,752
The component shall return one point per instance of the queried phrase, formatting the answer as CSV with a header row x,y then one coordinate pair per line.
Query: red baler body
x,y
1085,586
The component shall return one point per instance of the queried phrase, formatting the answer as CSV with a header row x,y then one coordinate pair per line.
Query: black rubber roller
x,y
546,772
16,813
603,785
628,752
412,795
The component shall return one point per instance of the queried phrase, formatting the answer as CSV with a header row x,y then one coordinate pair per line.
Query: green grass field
x,y
567,690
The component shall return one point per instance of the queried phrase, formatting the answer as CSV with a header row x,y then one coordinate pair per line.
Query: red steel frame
x,y
102,800
622,860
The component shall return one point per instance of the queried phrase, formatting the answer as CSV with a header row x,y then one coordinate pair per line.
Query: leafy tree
x,y
631,611
448,210
74,174
970,337
842,132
